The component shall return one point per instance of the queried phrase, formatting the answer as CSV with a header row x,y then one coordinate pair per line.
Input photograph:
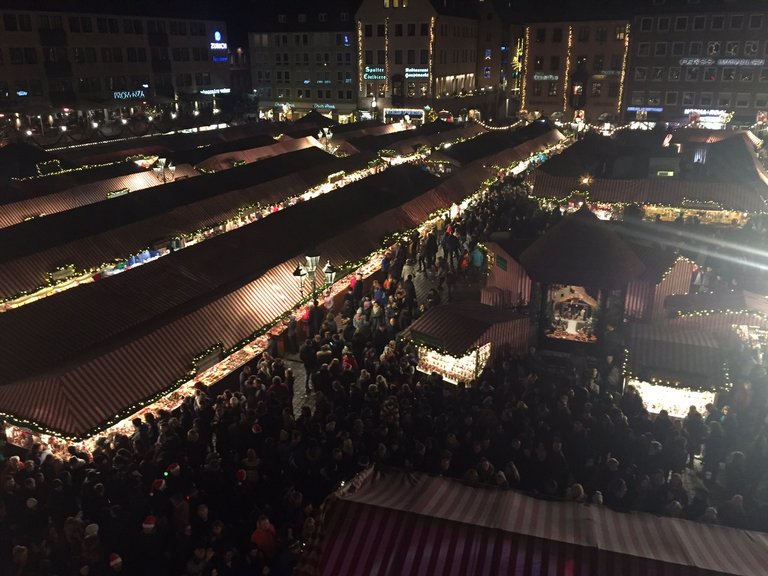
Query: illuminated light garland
x,y
360,57
386,55
527,49
623,74
431,55
567,76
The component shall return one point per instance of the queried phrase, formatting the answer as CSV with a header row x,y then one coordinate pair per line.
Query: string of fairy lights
x,y
369,262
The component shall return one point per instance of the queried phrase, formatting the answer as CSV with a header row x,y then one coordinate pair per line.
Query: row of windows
x,y
342,58
700,73
749,48
399,29
32,87
701,23
305,93
598,62
703,99
410,57
104,25
583,34
283,40
302,76
88,55
597,89
321,17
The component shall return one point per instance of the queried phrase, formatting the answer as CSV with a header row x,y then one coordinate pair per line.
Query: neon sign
x,y
417,72
128,94
217,44
374,74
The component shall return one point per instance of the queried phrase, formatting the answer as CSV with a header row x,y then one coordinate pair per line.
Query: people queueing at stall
x,y
232,483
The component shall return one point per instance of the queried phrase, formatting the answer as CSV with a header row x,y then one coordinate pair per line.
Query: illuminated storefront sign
x,y
215,91
417,72
722,61
217,44
546,77
704,112
643,109
21,93
413,112
317,106
374,74
128,94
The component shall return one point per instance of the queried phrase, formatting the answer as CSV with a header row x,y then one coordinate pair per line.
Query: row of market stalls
x,y
711,176
215,301
394,522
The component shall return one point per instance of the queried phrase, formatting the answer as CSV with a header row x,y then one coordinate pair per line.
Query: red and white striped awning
x,y
399,523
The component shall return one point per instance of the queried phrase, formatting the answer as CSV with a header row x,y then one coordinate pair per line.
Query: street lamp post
x,y
325,135
312,262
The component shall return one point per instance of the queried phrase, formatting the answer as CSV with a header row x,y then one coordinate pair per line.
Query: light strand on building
x,y
567,75
360,57
623,71
526,51
431,55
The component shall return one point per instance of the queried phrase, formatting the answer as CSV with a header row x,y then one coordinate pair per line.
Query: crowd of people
x,y
231,483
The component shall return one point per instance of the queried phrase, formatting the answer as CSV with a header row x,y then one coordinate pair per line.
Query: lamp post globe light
x,y
312,261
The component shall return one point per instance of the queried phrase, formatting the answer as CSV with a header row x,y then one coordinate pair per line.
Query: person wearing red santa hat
x,y
115,563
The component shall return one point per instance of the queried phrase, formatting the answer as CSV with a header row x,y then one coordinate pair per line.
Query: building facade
x,y
574,69
93,61
414,54
702,63
303,58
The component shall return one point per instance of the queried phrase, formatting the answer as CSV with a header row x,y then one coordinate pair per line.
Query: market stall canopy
x,y
227,160
19,160
406,523
582,250
222,290
314,118
138,224
620,172
706,302
492,145
61,199
665,352
457,327
390,139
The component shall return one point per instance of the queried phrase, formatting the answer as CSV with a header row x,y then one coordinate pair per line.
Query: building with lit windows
x,y
575,69
699,62
304,58
417,53
90,61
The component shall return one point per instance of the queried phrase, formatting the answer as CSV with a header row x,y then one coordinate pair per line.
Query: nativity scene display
x,y
571,314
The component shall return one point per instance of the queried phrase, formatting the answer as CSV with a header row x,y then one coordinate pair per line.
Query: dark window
x,y
368,30
9,21
411,29
424,29
557,35
398,29
541,35
380,29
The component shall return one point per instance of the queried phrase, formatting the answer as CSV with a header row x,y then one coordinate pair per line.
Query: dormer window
x,y
322,17
302,18
282,18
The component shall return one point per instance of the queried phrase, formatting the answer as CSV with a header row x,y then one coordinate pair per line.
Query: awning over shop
x,y
679,356
393,522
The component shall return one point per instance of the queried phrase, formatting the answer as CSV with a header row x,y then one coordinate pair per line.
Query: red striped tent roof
x,y
399,523
581,250
226,160
410,145
457,327
667,352
81,394
659,191
70,198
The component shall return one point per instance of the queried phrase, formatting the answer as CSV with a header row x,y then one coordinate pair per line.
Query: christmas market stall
x,y
581,269
666,274
675,368
508,284
717,183
457,340
409,523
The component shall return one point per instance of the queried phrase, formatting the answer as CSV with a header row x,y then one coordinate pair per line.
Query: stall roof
x,y
19,160
456,327
410,145
386,140
82,195
495,141
43,233
732,300
226,160
62,327
581,250
141,364
667,352
619,169
28,272
399,522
